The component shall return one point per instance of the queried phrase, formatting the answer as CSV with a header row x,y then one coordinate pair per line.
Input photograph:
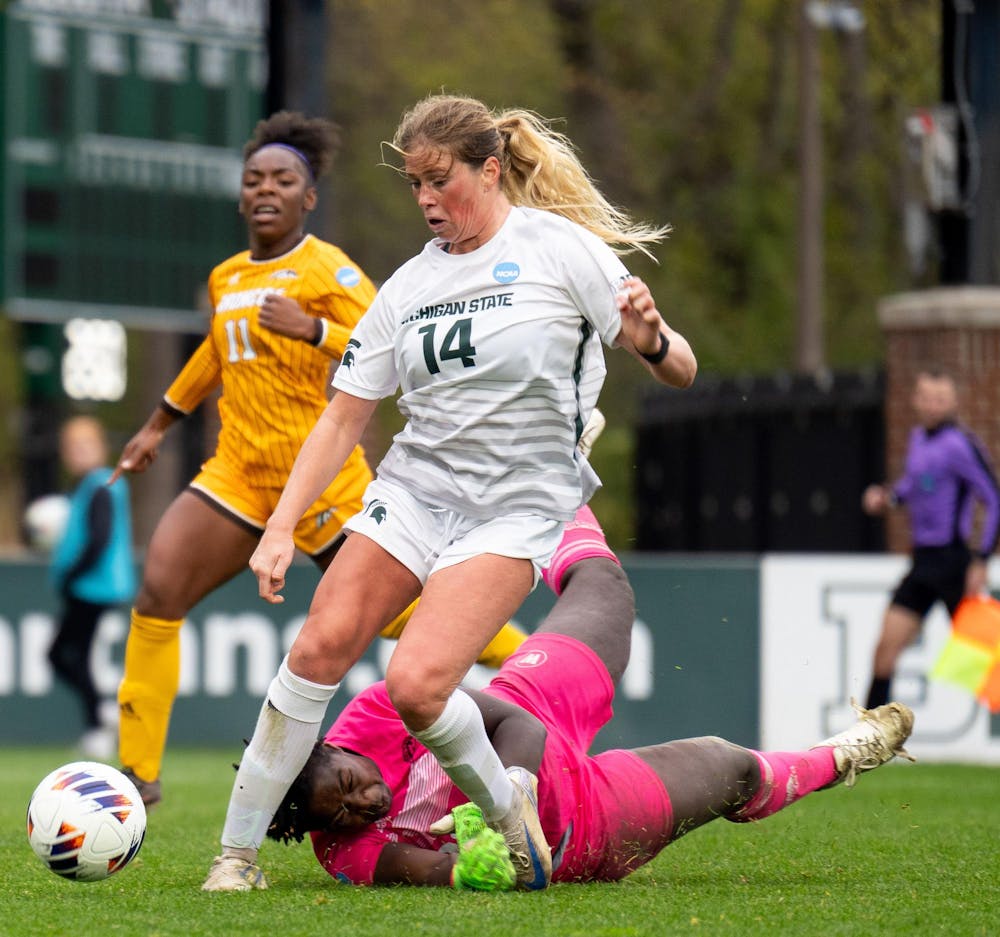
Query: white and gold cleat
x,y
231,873
875,739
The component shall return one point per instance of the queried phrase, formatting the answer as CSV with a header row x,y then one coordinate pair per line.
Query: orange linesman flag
x,y
971,655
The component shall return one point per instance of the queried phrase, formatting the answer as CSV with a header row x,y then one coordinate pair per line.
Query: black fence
x,y
761,464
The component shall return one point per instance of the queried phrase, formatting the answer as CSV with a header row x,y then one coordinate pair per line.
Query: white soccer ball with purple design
x,y
86,821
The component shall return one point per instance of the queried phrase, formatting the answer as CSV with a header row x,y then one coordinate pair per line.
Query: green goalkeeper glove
x,y
483,858
484,864
468,822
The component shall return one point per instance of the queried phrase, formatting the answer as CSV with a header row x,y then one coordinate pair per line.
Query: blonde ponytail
x,y
541,170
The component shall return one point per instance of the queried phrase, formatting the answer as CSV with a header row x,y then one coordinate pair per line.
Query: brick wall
x,y
957,330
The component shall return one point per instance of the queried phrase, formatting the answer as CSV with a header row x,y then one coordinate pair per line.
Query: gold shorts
x,y
224,486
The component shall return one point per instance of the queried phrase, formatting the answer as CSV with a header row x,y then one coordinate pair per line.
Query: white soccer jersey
x,y
498,356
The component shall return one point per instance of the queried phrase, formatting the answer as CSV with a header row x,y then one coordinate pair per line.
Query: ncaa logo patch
x,y
348,276
531,659
506,271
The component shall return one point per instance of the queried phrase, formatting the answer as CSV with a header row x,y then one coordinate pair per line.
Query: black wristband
x,y
317,332
657,356
171,411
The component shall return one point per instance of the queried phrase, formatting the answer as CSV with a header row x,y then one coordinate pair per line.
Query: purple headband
x,y
297,152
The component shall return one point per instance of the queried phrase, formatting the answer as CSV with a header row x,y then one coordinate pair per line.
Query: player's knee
x,y
158,597
742,762
415,695
324,653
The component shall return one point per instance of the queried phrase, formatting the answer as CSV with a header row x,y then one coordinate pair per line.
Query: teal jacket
x,y
93,560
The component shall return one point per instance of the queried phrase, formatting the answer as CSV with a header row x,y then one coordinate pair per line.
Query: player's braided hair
x,y
286,825
315,138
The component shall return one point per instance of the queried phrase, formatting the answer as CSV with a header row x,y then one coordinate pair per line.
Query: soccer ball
x,y
45,519
86,821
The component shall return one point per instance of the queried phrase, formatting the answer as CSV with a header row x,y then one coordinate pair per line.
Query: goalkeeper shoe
x,y
876,738
522,831
231,873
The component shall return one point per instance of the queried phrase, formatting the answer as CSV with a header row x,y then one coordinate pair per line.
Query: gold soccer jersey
x,y
273,387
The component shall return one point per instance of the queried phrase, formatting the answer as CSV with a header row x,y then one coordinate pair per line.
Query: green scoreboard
x,y
122,123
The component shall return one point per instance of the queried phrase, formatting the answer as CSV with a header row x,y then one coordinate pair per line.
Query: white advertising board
x,y
820,619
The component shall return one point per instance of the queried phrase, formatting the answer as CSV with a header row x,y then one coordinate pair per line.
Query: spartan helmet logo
x,y
377,511
348,358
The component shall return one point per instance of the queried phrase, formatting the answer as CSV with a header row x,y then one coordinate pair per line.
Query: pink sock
x,y
582,538
786,777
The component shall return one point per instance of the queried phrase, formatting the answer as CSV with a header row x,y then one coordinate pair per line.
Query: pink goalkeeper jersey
x,y
595,833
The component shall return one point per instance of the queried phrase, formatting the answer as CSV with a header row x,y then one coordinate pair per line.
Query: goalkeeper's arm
x,y
483,864
402,864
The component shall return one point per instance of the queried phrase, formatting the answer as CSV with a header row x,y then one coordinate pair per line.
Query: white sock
x,y
282,741
458,740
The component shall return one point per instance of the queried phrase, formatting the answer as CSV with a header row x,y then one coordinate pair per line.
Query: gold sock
x,y
147,692
395,627
508,640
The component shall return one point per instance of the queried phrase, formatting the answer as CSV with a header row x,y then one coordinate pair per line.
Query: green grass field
x,y
910,850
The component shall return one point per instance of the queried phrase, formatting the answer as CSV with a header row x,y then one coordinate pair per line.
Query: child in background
x,y
92,569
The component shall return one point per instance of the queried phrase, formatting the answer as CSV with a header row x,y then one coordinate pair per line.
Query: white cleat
x,y
231,873
876,738
593,429
522,831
